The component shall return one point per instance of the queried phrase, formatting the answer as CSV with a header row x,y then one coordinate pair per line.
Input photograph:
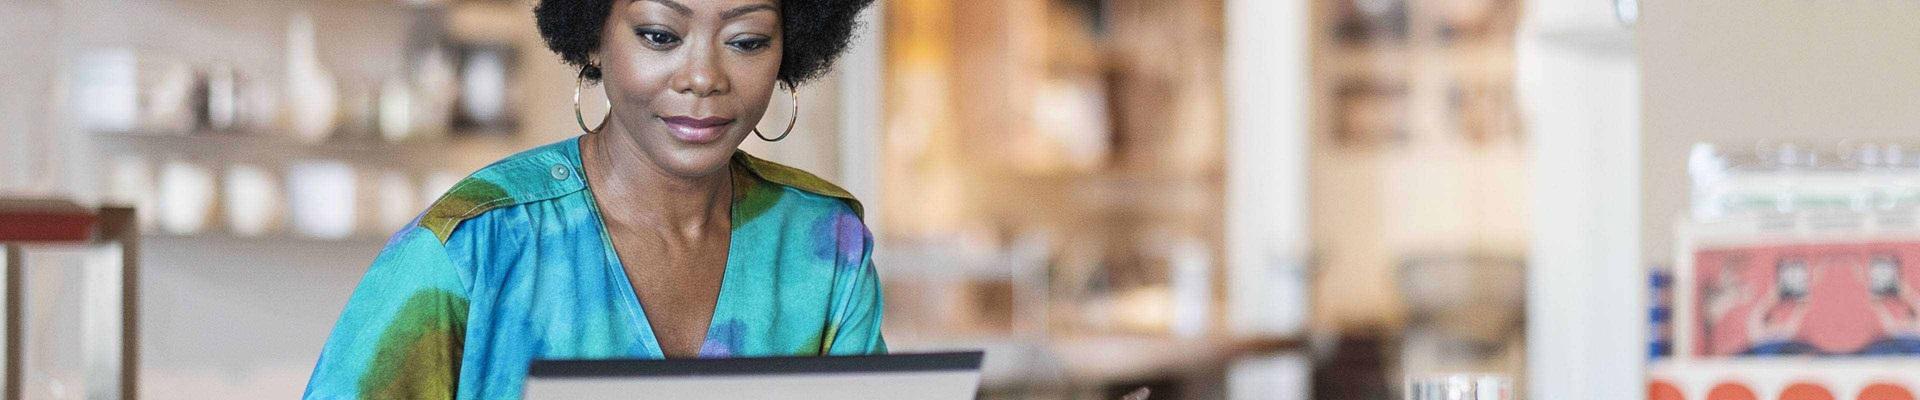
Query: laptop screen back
x,y
938,376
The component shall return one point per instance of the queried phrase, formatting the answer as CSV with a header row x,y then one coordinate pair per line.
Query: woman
x,y
651,236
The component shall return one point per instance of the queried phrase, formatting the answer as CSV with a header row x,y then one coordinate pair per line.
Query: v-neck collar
x,y
617,269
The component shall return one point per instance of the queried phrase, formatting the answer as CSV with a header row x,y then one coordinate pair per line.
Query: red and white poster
x,y
1799,299
1792,315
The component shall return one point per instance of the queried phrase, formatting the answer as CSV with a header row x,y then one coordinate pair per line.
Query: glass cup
x,y
1460,387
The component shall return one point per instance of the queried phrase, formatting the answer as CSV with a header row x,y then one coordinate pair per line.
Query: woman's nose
x,y
702,75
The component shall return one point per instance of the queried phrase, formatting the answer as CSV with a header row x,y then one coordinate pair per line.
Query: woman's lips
x,y
697,130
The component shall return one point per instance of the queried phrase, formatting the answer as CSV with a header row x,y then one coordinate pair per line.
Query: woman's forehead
x,y
723,8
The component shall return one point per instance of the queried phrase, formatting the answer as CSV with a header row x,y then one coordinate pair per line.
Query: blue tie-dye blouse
x,y
513,264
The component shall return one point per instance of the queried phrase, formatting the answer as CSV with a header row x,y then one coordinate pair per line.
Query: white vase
x,y
321,198
312,95
106,93
395,110
435,85
186,197
252,200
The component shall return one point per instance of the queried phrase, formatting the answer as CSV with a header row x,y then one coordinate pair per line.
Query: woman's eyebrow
x,y
736,12
676,6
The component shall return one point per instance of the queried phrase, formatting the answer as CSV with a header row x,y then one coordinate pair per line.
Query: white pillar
x,y
862,86
1578,82
1267,49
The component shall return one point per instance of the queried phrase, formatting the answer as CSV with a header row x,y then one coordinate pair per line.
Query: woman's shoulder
x,y
811,190
541,173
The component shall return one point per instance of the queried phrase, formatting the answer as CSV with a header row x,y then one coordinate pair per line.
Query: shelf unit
x,y
113,357
422,155
422,163
1415,147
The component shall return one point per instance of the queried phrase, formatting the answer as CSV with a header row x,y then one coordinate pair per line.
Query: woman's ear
x,y
592,68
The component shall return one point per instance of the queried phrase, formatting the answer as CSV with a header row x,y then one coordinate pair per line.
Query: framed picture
x,y
1360,21
1760,295
1473,20
1370,113
1484,112
1820,298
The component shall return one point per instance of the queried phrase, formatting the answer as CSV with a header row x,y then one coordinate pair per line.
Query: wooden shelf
x,y
464,152
46,221
420,160
264,241
269,238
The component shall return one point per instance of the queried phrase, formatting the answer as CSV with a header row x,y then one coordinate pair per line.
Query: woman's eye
x,y
658,38
752,44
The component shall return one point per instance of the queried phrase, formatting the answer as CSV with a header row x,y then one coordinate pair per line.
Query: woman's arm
x,y
403,330
855,328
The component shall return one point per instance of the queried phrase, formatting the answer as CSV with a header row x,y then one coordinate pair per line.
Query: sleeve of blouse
x,y
855,329
403,329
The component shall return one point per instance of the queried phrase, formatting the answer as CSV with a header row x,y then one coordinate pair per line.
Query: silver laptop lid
x,y
934,376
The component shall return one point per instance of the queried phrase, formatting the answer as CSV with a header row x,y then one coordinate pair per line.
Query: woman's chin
x,y
695,160
686,158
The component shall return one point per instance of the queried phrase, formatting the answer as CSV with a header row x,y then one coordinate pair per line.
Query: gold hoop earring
x,y
578,117
790,120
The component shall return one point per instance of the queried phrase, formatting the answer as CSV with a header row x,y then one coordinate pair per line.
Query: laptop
x,y
931,376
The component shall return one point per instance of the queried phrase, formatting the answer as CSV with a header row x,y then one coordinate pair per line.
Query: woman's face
x,y
689,79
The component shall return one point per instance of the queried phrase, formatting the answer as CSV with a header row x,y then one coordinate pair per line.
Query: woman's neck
x,y
681,209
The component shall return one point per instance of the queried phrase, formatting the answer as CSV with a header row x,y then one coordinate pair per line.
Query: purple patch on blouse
x,y
843,239
724,341
395,238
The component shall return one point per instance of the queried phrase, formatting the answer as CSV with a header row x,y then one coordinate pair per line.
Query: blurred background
x,y
1216,199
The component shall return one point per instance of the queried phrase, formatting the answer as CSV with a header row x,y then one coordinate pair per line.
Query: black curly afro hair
x,y
815,32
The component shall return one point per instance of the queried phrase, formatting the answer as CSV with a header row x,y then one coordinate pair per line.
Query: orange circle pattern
x,y
1885,391
1805,391
1660,389
1731,391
